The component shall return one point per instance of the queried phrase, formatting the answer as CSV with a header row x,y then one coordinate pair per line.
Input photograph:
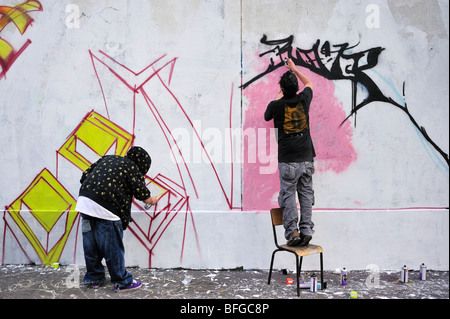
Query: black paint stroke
x,y
343,65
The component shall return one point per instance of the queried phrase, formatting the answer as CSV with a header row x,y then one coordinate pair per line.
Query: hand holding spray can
x,y
153,201
344,277
423,272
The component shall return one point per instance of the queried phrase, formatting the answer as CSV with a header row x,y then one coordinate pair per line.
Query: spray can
x,y
344,277
423,272
313,284
307,285
148,206
289,281
404,274
353,295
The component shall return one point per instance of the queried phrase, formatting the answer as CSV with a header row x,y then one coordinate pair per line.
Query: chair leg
x,y
299,270
300,266
321,270
298,276
271,265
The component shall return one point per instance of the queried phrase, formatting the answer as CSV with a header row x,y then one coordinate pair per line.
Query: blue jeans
x,y
296,179
103,239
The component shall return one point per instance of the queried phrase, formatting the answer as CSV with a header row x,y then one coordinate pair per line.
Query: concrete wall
x,y
189,81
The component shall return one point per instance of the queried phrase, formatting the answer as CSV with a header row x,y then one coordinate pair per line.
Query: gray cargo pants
x,y
296,178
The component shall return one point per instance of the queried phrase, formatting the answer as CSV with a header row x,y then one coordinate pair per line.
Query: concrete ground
x,y
65,282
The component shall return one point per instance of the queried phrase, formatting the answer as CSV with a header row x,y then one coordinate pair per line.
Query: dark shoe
x,y
295,239
305,239
134,285
96,284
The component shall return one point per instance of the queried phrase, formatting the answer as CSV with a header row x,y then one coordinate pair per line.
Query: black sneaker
x,y
305,239
96,284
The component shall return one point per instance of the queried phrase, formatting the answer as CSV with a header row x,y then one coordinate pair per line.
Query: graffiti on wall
x,y
19,17
340,62
47,201
174,196
140,84
331,129
42,219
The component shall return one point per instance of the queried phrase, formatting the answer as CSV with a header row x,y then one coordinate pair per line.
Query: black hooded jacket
x,y
113,180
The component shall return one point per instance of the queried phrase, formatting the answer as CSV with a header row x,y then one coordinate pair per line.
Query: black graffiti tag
x,y
339,62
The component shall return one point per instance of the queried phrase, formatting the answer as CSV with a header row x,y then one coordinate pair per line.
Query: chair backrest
x,y
277,219
277,216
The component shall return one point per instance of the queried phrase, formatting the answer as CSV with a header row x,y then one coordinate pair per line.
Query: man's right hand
x,y
151,200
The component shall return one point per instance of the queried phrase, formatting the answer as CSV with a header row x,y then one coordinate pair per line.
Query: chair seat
x,y
303,250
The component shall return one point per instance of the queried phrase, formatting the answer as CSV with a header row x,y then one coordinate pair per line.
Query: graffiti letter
x,y
373,19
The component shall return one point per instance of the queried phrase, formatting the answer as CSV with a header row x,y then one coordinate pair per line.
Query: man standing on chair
x,y
290,112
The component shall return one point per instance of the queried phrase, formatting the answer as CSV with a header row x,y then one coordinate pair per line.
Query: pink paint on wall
x,y
333,143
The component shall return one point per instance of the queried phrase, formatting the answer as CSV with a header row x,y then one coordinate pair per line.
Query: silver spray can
x,y
313,285
344,277
423,272
404,274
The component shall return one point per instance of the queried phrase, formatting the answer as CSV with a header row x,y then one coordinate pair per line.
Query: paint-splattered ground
x,y
35,282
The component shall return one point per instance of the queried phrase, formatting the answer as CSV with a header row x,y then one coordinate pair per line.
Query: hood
x,y
141,158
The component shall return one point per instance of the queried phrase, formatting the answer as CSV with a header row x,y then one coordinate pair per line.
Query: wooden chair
x,y
298,251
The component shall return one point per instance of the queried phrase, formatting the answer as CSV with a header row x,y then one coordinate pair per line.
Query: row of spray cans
x,y
404,275
314,285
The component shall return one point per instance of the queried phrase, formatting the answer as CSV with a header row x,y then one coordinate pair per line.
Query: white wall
x,y
381,185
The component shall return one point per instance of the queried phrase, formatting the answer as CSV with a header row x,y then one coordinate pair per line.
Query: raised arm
x,y
303,78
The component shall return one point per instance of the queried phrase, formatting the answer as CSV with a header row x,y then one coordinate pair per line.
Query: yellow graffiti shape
x,y
47,201
155,187
5,50
100,135
18,15
8,55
